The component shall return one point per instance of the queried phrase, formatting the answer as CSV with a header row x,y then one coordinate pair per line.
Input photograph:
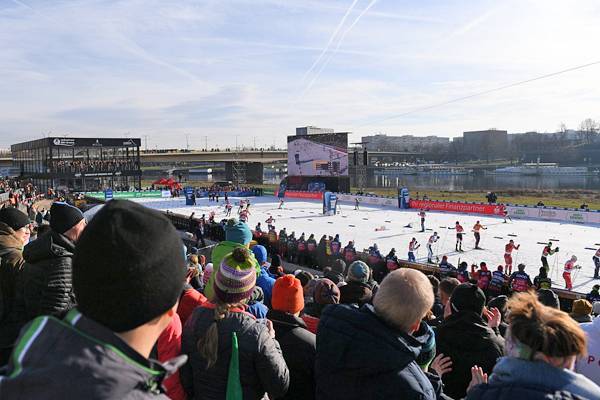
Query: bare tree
x,y
589,130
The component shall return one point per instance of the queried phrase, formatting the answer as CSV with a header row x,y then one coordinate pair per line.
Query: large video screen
x,y
318,155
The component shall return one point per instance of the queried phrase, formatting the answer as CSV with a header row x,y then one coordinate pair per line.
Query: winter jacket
x,y
168,346
590,364
360,357
47,275
261,363
218,254
11,268
468,341
78,359
299,349
355,293
189,300
514,379
266,283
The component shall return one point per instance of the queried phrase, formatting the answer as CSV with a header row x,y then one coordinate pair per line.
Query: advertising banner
x,y
468,208
318,155
373,200
292,194
551,214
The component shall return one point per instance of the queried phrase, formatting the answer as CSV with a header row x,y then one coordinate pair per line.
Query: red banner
x,y
292,194
467,208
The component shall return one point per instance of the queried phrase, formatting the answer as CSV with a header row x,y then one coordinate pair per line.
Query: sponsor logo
x,y
64,142
577,217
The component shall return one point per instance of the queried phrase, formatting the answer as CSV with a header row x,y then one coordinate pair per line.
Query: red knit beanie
x,y
288,295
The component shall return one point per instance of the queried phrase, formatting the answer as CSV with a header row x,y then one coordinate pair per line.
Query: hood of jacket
x,y
49,245
96,362
355,293
285,322
356,333
514,371
8,240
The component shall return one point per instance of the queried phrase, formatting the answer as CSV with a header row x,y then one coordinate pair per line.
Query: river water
x,y
458,182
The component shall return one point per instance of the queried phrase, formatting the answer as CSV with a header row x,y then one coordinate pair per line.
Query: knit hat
x,y
326,292
467,297
358,272
14,218
128,266
288,295
338,266
304,277
237,232
208,269
64,216
581,307
260,253
548,298
236,276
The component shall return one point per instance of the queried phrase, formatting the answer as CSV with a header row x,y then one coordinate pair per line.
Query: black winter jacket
x,y
11,267
261,363
78,359
355,293
47,276
468,341
299,349
359,357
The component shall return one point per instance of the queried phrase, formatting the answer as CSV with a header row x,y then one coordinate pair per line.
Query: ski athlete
x,y
520,281
258,229
498,281
228,207
542,281
244,215
506,216
356,203
217,197
422,215
412,246
280,204
241,208
508,249
462,274
391,261
226,198
547,252
596,260
270,221
476,232
459,236
432,239
569,267
374,256
211,217
336,247
248,204
485,277
349,253
446,269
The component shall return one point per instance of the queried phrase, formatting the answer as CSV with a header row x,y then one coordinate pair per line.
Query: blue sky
x,y
256,69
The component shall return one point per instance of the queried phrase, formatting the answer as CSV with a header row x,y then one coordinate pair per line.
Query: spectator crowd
x,y
119,308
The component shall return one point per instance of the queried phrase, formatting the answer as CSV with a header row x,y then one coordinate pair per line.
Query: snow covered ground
x,y
363,227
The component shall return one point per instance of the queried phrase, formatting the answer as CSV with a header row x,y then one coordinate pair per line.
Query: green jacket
x,y
218,254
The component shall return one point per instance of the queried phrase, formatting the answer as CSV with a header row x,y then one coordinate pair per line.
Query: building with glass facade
x,y
80,164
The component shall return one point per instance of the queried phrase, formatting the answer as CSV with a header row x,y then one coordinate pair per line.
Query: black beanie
x,y
129,266
64,216
14,218
467,297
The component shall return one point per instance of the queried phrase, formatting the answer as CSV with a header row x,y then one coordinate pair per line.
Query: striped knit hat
x,y
236,277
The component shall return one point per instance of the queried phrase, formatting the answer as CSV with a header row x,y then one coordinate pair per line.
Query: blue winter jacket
x,y
266,283
360,357
514,379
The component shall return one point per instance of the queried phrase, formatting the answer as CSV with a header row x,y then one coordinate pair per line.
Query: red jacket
x,y
189,300
169,346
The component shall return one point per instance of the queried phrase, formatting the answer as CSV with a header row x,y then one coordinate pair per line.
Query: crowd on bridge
x,y
118,307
